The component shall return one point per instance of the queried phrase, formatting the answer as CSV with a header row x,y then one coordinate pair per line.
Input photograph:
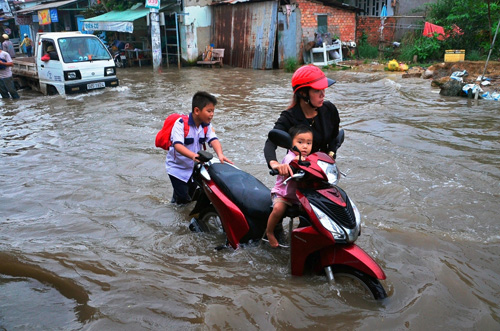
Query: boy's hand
x,y
223,159
195,157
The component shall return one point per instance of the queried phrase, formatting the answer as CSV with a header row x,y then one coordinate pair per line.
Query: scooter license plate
x,y
92,86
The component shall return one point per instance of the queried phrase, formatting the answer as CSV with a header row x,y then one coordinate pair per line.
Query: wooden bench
x,y
217,58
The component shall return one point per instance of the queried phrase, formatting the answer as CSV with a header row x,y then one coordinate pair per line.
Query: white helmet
x,y
25,34
5,36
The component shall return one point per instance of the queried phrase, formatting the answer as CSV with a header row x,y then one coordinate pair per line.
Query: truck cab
x,y
72,62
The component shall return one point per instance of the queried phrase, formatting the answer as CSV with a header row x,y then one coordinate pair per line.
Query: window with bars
x,y
322,24
371,7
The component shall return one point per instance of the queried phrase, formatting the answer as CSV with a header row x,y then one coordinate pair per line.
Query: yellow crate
x,y
454,55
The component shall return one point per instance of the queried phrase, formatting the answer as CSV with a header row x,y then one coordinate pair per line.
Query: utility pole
x,y
154,8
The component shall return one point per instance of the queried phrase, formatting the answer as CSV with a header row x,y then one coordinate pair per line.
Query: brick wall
x,y
341,23
370,25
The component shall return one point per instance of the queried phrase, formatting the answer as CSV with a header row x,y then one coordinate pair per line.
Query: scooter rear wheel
x,y
371,284
209,221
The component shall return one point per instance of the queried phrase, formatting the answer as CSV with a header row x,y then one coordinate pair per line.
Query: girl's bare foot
x,y
272,240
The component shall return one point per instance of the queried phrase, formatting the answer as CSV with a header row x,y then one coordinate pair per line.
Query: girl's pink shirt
x,y
286,191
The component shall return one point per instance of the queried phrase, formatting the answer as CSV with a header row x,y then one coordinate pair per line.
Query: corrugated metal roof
x,y
43,6
128,15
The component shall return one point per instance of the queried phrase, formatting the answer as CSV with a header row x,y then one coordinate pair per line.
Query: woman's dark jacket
x,y
325,128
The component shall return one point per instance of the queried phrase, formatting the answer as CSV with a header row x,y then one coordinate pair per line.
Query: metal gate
x,y
247,32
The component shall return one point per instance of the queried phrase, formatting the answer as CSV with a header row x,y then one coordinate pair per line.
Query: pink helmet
x,y
312,76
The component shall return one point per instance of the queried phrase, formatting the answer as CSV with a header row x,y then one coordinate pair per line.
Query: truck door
x,y
49,65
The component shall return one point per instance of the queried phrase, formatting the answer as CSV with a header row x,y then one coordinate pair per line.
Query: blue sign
x,y
53,16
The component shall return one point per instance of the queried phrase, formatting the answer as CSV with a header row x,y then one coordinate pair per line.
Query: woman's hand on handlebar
x,y
283,169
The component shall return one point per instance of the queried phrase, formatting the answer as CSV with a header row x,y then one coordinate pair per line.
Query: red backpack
x,y
163,136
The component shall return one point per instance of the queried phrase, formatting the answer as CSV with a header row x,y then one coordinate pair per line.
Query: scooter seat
x,y
245,191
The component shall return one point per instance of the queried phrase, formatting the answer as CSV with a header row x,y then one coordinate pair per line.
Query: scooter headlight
x,y
331,171
329,224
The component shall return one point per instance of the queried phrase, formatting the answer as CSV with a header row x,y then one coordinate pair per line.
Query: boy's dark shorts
x,y
183,191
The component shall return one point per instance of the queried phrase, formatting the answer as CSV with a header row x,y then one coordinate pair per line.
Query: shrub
x,y
365,50
473,55
291,64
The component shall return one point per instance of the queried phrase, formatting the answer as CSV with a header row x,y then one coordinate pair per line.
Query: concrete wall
x,y
410,24
195,29
406,7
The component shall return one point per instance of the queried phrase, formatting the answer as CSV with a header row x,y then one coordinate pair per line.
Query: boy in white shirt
x,y
184,150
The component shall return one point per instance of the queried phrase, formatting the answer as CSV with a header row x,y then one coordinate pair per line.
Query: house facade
x,y
261,34
402,16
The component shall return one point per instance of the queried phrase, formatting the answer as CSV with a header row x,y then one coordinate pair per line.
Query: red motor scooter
x,y
234,201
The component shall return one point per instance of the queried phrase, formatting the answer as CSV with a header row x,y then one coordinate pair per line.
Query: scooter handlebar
x,y
274,172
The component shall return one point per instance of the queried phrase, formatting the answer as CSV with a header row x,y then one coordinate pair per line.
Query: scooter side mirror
x,y
280,138
340,139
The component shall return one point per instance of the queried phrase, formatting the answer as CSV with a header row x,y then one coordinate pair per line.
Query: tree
x,y
104,6
475,19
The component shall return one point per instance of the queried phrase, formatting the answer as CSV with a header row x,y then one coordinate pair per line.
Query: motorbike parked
x,y
239,204
119,57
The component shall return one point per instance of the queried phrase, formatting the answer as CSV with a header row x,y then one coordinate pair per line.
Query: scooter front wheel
x,y
209,221
371,284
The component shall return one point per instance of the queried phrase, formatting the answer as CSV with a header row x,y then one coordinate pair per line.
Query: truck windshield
x,y
81,49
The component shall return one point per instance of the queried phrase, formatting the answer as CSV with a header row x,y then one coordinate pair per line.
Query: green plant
x,y
473,55
291,64
365,50
426,48
476,19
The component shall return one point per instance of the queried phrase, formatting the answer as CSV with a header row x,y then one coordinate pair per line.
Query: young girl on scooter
x,y
283,195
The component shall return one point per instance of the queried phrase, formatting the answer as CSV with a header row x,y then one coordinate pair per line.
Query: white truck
x,y
66,62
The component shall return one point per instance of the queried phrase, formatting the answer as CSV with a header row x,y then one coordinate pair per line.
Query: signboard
x,y
153,4
24,20
53,16
109,26
44,17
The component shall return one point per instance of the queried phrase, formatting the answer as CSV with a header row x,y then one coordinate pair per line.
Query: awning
x,y
50,5
121,21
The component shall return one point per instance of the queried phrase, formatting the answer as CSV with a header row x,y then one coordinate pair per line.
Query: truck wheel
x,y
51,90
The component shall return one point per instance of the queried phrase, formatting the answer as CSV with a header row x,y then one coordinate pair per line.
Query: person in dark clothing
x,y
308,107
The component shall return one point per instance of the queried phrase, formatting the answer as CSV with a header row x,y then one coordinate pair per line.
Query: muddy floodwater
x,y
89,239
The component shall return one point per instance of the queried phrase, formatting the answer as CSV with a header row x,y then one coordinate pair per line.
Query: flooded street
x,y
89,240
